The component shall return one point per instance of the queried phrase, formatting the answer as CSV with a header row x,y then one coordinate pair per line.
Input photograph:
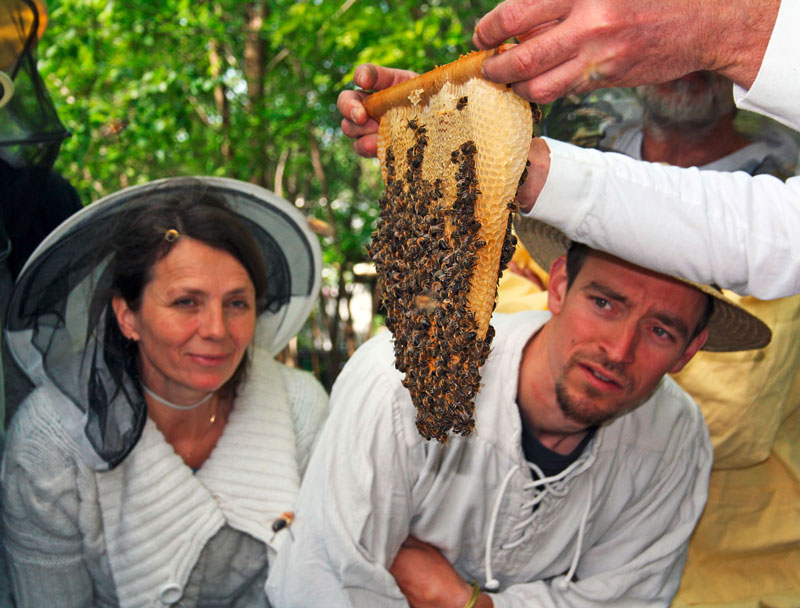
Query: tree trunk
x,y
221,98
279,169
334,322
254,71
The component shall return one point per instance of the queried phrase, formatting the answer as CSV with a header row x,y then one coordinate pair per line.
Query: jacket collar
x,y
158,515
496,413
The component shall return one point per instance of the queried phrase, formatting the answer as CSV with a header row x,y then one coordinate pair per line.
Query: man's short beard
x,y
685,106
578,411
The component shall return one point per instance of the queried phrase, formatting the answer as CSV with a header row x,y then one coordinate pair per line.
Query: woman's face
x,y
196,319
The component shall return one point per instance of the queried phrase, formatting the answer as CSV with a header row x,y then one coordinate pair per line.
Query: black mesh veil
x,y
30,130
56,338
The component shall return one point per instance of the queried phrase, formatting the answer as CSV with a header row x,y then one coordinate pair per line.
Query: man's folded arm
x,y
354,509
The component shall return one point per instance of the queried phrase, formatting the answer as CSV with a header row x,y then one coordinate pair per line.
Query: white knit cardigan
x,y
76,537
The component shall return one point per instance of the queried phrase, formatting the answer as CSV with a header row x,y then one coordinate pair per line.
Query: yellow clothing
x,y
745,551
516,293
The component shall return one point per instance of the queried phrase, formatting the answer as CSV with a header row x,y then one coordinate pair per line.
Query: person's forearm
x,y
724,228
744,28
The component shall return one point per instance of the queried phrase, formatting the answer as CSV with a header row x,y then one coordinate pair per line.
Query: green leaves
x,y
155,88
243,89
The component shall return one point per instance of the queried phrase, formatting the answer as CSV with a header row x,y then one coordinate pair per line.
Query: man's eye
x,y
660,332
602,303
184,302
243,304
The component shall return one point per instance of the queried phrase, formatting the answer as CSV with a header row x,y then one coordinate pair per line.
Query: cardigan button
x,y
170,593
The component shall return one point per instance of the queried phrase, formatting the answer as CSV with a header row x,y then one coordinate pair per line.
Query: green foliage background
x,y
245,90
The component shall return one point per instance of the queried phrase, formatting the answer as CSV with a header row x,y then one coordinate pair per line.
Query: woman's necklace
x,y
188,455
175,406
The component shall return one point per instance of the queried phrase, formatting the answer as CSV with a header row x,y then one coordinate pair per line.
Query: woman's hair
x,y
140,240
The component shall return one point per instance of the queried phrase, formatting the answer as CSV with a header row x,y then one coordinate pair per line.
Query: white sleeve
x,y
354,508
729,229
309,405
776,90
42,541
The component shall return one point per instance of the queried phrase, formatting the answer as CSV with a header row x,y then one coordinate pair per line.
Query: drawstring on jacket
x,y
564,583
544,486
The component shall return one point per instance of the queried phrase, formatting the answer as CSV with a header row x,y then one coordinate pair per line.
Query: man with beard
x,y
751,399
580,486
689,122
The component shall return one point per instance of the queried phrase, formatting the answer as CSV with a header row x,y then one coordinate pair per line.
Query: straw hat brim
x,y
730,327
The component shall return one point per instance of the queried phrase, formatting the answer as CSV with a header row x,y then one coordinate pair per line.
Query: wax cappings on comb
x,y
453,149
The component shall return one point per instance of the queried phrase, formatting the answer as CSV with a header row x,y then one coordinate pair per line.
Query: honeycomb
x,y
453,152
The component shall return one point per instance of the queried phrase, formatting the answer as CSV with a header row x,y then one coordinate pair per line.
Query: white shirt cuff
x,y
776,89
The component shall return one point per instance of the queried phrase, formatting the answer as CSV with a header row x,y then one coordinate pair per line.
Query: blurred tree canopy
x,y
243,89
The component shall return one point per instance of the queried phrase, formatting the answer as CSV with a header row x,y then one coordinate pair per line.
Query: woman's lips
x,y
209,360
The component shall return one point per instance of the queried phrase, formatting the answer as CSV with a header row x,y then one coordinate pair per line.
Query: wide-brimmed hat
x,y
48,328
730,327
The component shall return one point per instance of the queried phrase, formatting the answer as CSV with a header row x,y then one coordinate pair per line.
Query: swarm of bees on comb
x,y
452,159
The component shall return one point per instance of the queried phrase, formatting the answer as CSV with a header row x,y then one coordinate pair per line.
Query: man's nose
x,y
621,342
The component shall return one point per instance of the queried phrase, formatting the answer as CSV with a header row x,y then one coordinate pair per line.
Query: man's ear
x,y
126,318
694,345
557,285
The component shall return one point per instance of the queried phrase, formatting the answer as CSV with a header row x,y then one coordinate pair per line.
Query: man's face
x,y
697,98
615,332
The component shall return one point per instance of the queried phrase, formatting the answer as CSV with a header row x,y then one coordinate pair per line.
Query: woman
x,y
161,441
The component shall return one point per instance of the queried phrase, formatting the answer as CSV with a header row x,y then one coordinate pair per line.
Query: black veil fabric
x,y
30,130
33,198
57,318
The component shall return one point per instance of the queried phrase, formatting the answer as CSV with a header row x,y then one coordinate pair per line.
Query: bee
x,y
458,286
412,124
522,178
423,322
462,103
424,243
284,521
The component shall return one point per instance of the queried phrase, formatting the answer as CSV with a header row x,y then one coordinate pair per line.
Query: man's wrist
x,y
474,596
741,60
485,601
538,169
